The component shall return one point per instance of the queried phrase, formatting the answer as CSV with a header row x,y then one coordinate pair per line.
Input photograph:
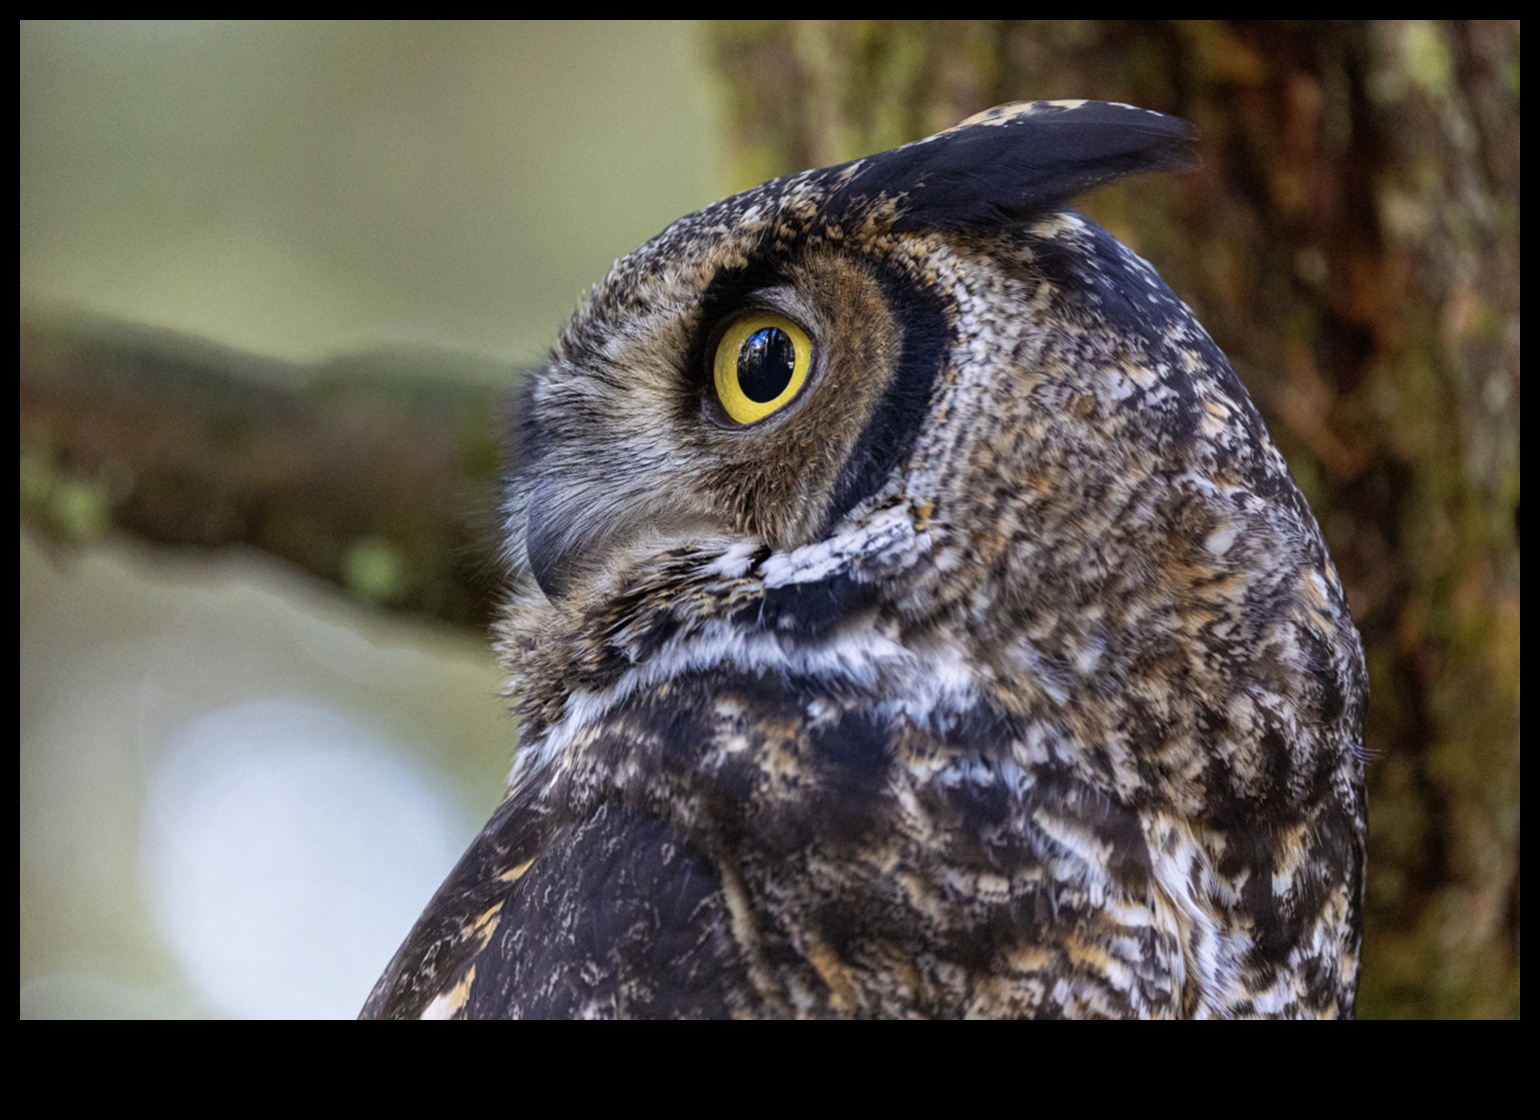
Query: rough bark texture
x,y
1352,241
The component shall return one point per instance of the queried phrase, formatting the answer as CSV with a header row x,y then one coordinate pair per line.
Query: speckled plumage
x,y
1001,673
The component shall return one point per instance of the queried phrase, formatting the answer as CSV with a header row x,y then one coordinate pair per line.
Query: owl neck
x,y
819,608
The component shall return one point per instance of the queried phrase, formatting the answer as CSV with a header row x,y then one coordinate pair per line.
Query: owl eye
x,y
760,365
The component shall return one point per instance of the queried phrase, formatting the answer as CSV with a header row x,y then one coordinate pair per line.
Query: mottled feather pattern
x,y
1002,673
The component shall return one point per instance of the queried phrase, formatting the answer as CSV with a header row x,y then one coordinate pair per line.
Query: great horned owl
x,y
911,617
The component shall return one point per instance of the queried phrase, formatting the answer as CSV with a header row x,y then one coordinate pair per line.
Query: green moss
x,y
71,508
374,569
37,480
1427,58
79,510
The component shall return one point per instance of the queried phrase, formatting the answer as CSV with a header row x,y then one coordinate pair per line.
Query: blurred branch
x,y
374,473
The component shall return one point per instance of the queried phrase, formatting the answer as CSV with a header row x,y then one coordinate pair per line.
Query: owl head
x,y
764,369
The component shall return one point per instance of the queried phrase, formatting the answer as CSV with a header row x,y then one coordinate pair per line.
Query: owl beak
x,y
552,541
570,531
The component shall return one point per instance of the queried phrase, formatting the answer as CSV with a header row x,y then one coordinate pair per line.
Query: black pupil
x,y
765,364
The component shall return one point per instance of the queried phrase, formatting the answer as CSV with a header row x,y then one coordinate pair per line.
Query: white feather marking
x,y
735,561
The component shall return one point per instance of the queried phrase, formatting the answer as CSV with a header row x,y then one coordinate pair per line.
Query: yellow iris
x,y
761,363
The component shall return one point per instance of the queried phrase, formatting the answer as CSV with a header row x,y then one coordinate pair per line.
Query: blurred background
x,y
276,279
238,788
